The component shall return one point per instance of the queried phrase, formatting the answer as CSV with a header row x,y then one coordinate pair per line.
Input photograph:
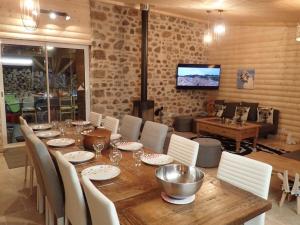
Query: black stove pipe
x,y
144,52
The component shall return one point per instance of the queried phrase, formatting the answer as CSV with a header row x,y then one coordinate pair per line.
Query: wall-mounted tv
x,y
198,76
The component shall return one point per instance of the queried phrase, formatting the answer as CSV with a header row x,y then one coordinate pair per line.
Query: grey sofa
x,y
265,129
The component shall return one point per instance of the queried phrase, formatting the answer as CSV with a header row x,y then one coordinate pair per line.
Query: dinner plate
x,y
157,159
115,136
61,142
45,126
175,201
101,172
79,156
47,134
129,146
81,123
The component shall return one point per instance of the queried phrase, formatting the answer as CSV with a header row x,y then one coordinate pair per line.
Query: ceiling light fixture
x,y
55,14
298,32
52,15
10,61
219,27
30,13
49,48
207,37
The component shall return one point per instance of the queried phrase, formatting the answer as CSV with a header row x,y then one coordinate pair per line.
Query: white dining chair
x,y
95,119
154,135
247,174
75,207
296,191
183,150
28,157
111,124
130,128
103,211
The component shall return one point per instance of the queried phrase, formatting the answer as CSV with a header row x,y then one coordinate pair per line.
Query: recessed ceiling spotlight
x,y
68,17
52,15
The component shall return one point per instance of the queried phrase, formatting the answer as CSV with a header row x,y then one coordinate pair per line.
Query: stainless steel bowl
x,y
179,181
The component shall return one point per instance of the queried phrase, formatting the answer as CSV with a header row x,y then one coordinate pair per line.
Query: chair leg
x,y
283,196
31,179
40,201
46,212
298,204
26,167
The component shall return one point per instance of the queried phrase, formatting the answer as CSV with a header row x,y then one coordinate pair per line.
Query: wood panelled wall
x,y
75,31
275,56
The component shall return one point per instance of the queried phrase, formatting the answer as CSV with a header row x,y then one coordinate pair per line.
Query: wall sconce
x,y
54,14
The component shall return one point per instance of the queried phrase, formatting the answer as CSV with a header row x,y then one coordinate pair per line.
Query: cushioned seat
x,y
183,123
210,151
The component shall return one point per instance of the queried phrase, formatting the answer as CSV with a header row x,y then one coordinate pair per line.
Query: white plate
x,y
61,142
101,172
115,136
44,126
79,156
130,146
157,159
176,201
81,123
47,134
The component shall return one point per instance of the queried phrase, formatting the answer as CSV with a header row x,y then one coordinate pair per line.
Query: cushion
x,y
252,115
241,112
265,115
219,109
230,109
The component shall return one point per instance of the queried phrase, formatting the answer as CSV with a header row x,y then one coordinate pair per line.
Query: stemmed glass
x,y
79,129
137,155
61,128
115,154
98,147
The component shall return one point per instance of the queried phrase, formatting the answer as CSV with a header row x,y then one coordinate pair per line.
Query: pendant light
x,y
219,27
298,32
207,37
30,12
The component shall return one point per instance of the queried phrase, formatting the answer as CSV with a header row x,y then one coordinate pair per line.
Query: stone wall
x,y
115,60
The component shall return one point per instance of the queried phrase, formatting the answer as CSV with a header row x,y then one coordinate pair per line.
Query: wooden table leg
x,y
237,145
254,142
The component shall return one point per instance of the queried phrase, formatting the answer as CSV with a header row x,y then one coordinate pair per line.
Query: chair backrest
x,y
103,211
65,101
130,127
296,186
95,119
111,124
27,132
247,174
75,206
183,150
285,181
53,187
154,135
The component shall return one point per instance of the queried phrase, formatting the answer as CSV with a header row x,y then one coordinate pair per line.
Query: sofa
x,y
265,129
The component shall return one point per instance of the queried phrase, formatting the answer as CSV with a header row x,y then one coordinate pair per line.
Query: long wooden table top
x,y
279,163
215,121
136,195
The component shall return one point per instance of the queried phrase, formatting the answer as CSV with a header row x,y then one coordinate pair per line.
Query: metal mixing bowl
x,y
179,181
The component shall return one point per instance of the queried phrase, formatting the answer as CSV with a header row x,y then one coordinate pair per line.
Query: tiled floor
x,y
18,208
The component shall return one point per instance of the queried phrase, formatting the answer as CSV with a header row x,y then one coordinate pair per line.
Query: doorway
x,y
42,82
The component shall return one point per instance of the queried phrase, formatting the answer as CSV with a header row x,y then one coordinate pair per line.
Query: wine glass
x,y
98,147
115,156
137,155
61,128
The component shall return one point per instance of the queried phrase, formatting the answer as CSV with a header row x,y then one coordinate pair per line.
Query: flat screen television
x,y
198,76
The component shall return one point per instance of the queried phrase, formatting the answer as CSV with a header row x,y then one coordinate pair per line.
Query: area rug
x,y
246,146
15,157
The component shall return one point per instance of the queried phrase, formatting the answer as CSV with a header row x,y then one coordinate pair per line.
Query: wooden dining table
x,y
137,196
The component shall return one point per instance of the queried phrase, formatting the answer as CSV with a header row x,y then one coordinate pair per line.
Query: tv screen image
x,y
199,76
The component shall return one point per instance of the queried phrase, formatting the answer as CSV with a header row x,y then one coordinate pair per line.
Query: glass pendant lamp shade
x,y
298,32
30,12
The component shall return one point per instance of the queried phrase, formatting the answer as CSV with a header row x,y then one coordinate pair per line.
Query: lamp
x,y
54,14
219,27
207,37
30,11
298,32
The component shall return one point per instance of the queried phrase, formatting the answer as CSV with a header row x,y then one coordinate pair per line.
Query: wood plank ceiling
x,y
236,11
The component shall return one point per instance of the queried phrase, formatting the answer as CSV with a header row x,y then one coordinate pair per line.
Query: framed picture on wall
x,y
245,78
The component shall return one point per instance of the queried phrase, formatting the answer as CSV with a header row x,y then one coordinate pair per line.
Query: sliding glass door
x,y
41,82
